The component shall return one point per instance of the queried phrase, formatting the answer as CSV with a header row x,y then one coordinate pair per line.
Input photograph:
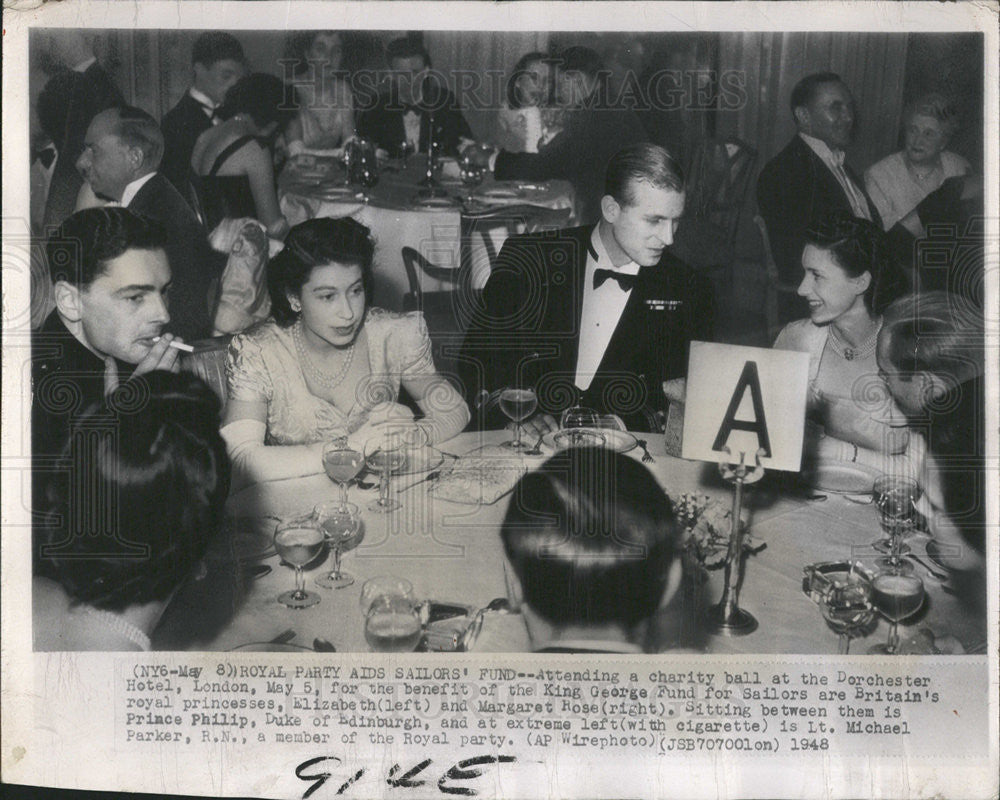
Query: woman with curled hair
x,y
899,182
232,163
850,278
151,460
528,91
931,354
594,550
327,365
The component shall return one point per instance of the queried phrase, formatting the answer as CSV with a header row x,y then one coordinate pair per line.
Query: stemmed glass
x,y
298,542
342,464
406,149
517,405
340,523
392,619
847,608
364,168
574,424
897,595
471,172
384,455
352,151
895,499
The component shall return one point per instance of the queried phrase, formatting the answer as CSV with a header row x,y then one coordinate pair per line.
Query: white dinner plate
x,y
270,647
435,202
500,194
619,441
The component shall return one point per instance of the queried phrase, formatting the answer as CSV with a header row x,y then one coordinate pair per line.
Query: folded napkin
x,y
481,477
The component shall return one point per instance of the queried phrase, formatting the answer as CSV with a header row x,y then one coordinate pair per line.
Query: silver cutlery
x,y
647,457
537,449
430,476
937,574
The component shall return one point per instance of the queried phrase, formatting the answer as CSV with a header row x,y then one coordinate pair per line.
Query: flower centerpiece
x,y
707,525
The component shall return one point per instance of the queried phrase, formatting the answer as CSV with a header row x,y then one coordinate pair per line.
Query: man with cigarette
x,y
110,281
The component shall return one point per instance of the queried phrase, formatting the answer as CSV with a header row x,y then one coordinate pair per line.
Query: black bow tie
x,y
625,281
46,155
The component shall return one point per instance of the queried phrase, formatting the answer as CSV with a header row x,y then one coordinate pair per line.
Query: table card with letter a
x,y
746,398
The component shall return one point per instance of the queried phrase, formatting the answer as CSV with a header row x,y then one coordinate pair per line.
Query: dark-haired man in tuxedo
x,y
602,314
216,63
120,159
809,179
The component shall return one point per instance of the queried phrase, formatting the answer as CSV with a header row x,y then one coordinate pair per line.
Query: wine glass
x,y
895,497
471,171
847,608
384,455
364,168
298,542
340,523
517,405
342,464
897,595
392,619
350,154
406,149
574,424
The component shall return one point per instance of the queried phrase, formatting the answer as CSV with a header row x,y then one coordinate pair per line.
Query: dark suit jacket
x,y
195,267
181,126
527,329
383,124
796,188
579,154
90,94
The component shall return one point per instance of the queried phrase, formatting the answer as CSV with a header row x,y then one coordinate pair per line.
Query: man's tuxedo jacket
x,y
182,125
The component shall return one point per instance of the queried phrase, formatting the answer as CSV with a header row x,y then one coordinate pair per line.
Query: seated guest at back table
x,y
162,472
403,112
519,118
119,162
326,117
592,133
809,179
328,365
602,313
850,278
594,551
931,353
232,162
216,64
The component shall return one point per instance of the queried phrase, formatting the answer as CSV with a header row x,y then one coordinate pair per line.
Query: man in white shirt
x,y
597,315
809,179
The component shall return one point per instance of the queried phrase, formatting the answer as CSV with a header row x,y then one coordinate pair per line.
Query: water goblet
x,y
342,464
340,523
897,595
517,405
298,542
471,173
573,425
384,455
895,497
847,608
392,619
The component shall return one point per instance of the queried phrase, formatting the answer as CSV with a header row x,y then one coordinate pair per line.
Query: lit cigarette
x,y
177,345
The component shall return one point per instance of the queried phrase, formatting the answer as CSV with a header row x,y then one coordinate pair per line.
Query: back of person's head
x,y
936,106
591,538
406,47
577,58
81,247
214,46
805,90
936,333
264,97
511,92
860,246
137,128
316,243
641,162
142,492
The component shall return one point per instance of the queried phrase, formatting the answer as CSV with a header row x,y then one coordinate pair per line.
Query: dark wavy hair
x,y
214,46
591,536
860,246
80,248
315,243
514,99
151,463
264,97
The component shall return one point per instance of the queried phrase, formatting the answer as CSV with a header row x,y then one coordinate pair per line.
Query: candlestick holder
x,y
727,618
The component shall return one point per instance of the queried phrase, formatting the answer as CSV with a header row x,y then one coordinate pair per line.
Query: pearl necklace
x,y
848,353
121,626
318,375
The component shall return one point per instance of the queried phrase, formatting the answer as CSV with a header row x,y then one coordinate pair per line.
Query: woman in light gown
x,y
326,115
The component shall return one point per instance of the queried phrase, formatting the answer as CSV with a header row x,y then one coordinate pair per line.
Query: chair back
x,y
502,221
208,362
774,286
718,181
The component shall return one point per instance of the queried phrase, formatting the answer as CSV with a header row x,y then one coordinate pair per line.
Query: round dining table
x,y
451,552
398,215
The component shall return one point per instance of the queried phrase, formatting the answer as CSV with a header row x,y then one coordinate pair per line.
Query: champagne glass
x,y
384,455
392,619
342,464
340,523
517,405
895,497
847,608
897,595
298,542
